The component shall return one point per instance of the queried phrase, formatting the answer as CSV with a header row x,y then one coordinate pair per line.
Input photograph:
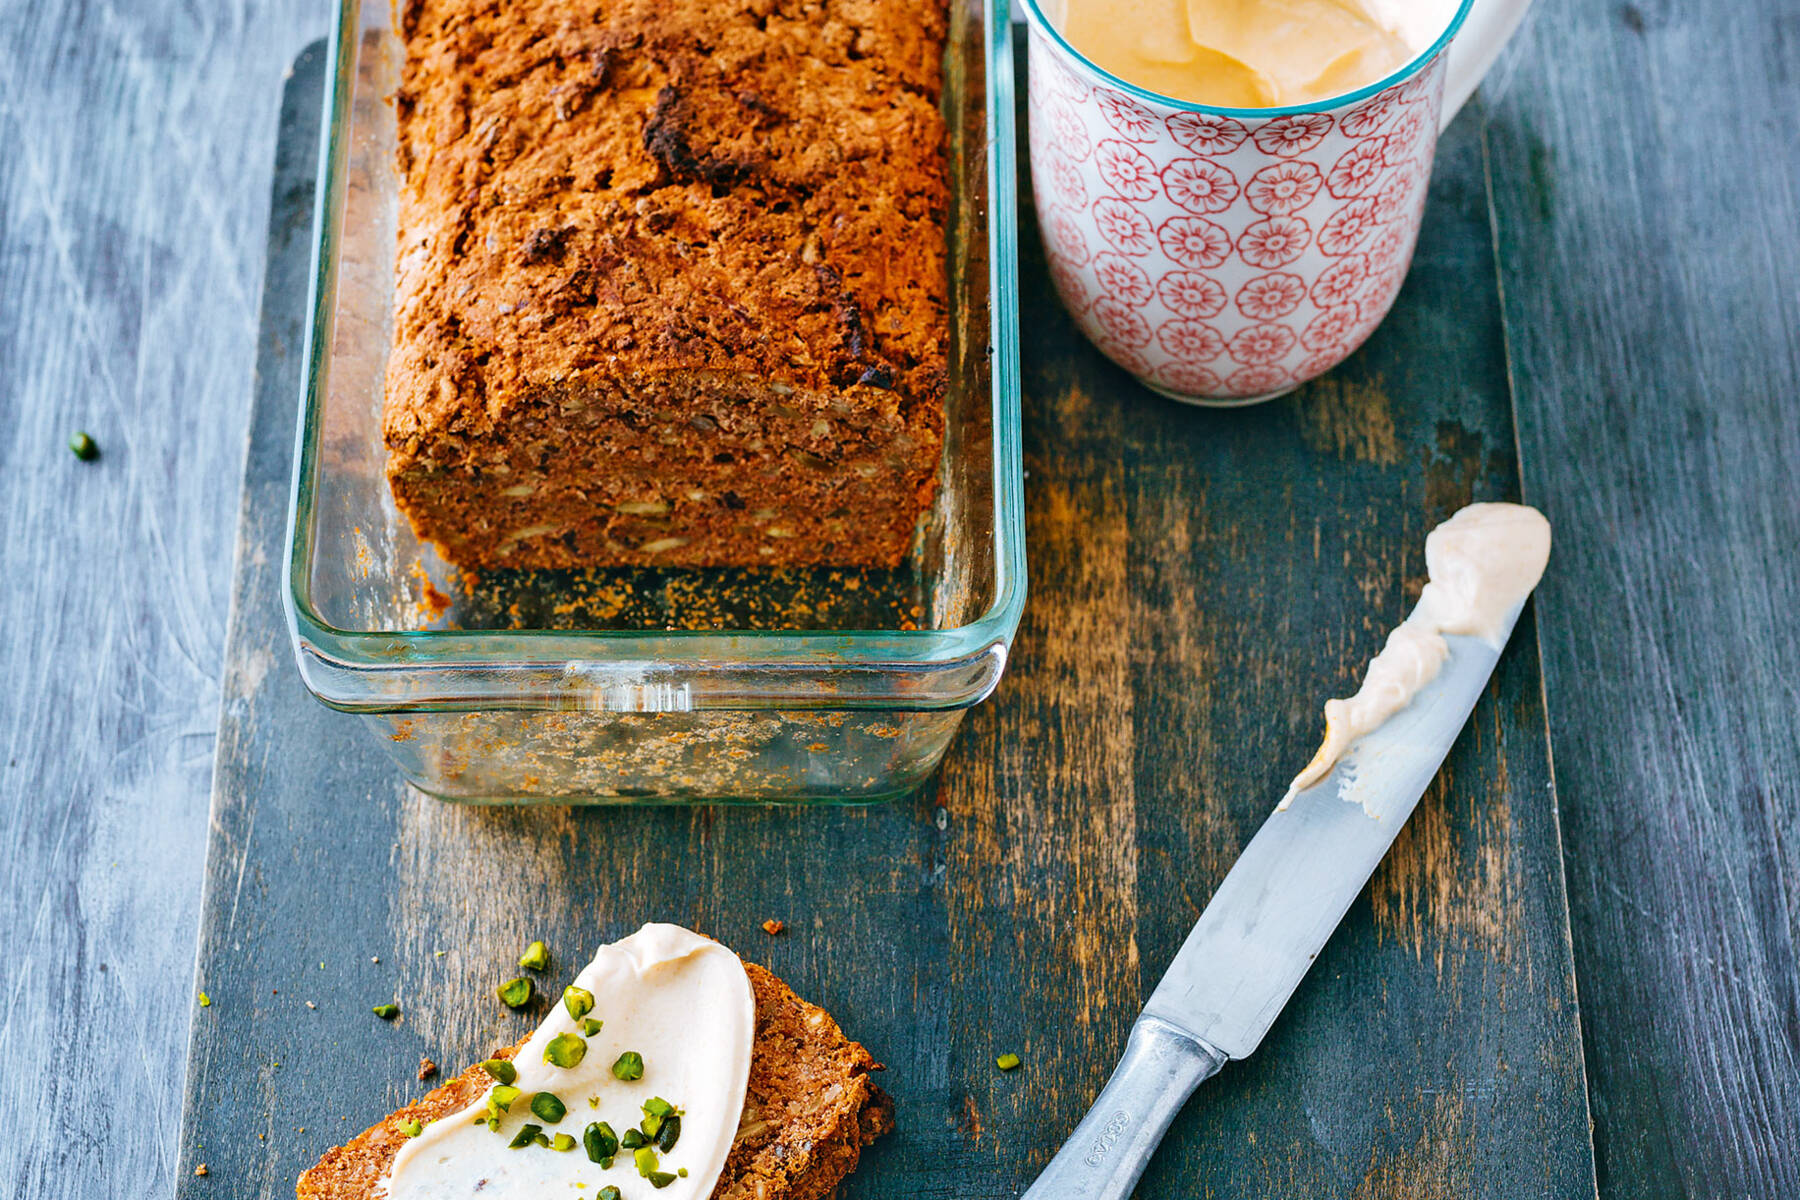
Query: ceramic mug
x,y
1226,256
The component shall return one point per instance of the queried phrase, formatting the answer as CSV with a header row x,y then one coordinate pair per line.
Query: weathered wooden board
x,y
1645,164
1201,581
135,145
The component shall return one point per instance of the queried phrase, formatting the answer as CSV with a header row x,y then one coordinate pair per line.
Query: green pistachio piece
x,y
411,1129
515,993
645,1158
502,1070
536,957
631,1139
565,1050
562,1142
609,1192
589,1026
548,1106
579,1001
527,1134
657,1106
600,1142
629,1066
669,1134
386,1012
82,446
1007,1062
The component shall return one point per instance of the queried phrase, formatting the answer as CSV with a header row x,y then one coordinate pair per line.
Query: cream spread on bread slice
x,y
667,1039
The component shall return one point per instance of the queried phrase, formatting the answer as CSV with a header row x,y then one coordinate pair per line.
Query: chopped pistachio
x,y
536,957
562,1142
82,446
593,1102
1007,1062
527,1134
589,1026
548,1106
501,1069
499,1101
645,1158
609,1192
650,1125
579,1001
669,1134
660,1179
565,1050
411,1128
682,1173
515,993
657,1106
386,1012
205,1000
600,1142
629,1066
631,1139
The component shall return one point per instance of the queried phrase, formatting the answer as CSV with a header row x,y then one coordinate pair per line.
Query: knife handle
x,y
1109,1150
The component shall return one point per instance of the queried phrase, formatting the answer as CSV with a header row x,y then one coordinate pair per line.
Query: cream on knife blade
x,y
1251,53
1483,562
656,1030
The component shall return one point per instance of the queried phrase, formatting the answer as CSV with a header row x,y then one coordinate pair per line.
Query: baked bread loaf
x,y
809,1110
671,283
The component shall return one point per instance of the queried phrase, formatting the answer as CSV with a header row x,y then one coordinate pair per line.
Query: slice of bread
x,y
809,1110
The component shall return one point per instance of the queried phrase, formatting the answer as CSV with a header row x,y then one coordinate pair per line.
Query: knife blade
x,y
1263,928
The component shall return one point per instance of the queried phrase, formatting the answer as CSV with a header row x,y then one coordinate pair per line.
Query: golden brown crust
x,y
681,256
809,1109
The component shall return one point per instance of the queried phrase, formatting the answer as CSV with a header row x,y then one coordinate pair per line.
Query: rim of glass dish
x,y
1413,66
400,649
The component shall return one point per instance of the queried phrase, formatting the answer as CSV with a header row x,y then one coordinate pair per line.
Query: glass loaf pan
x,y
644,686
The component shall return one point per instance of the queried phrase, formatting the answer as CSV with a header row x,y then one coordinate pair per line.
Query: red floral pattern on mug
x,y
1205,133
1356,171
1394,195
1126,170
1270,296
1194,241
1404,138
1065,181
1339,283
1226,257
1391,249
1283,189
1189,379
1064,234
1331,328
1130,118
1348,227
1069,286
1124,225
1199,185
1260,345
1190,341
1123,323
1257,381
1288,136
1274,241
1067,127
1121,277
1191,294
1366,118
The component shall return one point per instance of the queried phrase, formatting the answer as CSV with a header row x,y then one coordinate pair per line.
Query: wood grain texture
x,y
1644,165
1201,582
135,147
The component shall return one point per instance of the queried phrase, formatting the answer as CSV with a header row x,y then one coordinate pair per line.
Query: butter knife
x,y
1269,919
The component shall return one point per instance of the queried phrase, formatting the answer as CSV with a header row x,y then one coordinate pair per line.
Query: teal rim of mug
x,y
1413,66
